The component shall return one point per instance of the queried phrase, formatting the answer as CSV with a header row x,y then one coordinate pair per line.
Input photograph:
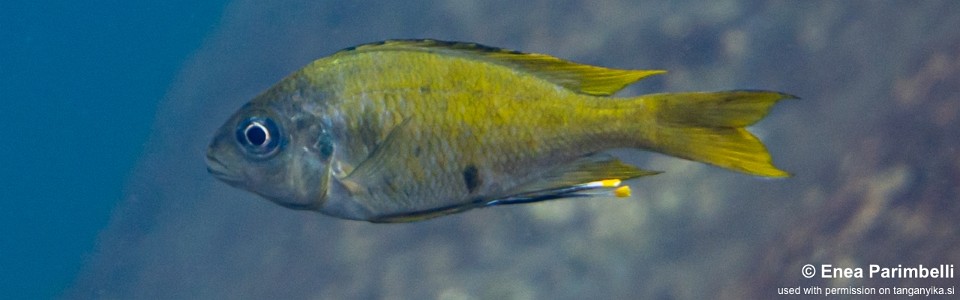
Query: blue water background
x,y
109,106
80,82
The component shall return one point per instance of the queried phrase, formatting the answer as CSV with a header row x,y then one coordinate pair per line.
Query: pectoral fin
x,y
379,160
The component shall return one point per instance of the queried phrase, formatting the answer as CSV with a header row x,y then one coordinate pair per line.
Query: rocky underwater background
x,y
874,146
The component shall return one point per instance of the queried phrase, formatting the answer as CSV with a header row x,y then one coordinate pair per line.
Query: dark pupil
x,y
256,134
259,137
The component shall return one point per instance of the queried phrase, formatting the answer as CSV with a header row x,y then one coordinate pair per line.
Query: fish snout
x,y
219,170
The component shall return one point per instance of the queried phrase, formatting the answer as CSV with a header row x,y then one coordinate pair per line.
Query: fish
x,y
409,130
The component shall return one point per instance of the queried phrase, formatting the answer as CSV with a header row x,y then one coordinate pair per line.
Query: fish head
x,y
275,150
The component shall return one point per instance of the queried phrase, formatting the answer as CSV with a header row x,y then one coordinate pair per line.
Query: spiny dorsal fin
x,y
580,78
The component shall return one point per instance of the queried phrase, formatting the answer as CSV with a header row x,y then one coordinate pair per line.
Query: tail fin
x,y
710,128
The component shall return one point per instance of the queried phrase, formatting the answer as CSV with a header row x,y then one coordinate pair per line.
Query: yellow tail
x,y
710,128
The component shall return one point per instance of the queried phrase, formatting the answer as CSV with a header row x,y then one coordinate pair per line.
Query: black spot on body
x,y
471,178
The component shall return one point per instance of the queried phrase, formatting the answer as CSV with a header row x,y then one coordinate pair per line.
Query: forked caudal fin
x,y
710,128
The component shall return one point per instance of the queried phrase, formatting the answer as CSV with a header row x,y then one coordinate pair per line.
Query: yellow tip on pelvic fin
x,y
621,192
610,182
606,183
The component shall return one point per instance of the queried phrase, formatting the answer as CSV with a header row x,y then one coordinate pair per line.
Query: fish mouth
x,y
220,171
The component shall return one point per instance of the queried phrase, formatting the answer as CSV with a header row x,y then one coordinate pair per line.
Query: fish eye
x,y
259,136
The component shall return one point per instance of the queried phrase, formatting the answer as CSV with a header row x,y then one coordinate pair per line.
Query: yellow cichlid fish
x,y
406,130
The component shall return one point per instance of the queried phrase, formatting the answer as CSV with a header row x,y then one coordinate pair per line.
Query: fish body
x,y
412,129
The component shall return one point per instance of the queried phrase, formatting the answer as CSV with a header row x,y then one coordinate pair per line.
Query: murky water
x,y
873,145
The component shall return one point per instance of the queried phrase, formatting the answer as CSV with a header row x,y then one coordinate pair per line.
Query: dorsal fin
x,y
580,78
